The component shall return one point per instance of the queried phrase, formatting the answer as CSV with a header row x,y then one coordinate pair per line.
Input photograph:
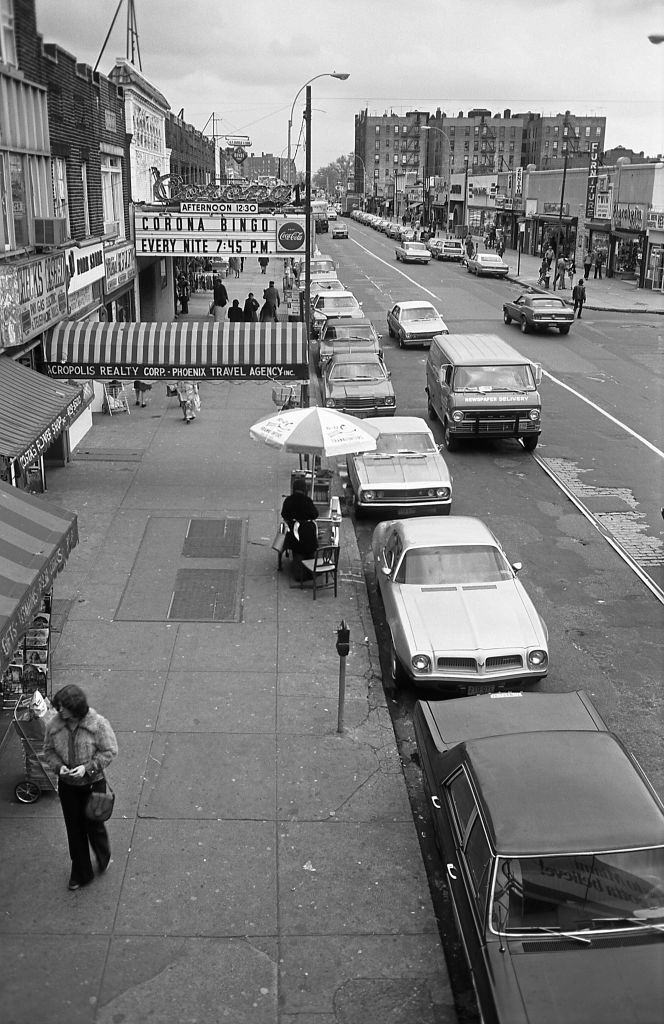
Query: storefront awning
x,y
244,351
35,540
33,411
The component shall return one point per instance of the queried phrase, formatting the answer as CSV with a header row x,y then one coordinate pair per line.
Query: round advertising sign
x,y
290,236
239,154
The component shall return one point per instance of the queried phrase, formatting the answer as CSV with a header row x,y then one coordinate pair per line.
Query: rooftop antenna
x,y
132,35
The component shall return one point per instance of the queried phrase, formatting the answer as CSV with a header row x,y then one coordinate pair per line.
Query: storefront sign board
x,y
655,221
33,296
629,216
120,264
85,264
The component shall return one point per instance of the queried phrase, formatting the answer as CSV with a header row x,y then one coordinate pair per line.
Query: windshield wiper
x,y
556,930
598,922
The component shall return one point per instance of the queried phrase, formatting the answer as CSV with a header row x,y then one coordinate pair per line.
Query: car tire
x,y
401,342
507,318
530,442
398,676
523,325
564,330
450,442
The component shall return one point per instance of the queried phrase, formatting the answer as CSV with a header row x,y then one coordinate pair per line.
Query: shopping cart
x,y
287,396
38,776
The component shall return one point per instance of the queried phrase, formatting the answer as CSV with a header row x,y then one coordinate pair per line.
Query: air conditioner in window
x,y
111,227
50,230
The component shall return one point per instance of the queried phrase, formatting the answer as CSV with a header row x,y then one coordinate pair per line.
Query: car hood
x,y
615,985
424,326
359,388
397,470
492,616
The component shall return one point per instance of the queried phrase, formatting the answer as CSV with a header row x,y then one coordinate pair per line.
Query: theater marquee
x,y
208,231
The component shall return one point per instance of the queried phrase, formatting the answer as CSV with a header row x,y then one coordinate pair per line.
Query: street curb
x,y
587,305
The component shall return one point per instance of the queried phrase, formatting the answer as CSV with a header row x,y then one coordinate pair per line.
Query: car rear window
x,y
453,565
547,303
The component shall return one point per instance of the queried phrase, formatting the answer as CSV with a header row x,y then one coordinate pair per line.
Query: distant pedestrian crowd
x,y
251,312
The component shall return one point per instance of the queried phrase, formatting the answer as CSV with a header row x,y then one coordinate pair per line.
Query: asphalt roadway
x,y
265,867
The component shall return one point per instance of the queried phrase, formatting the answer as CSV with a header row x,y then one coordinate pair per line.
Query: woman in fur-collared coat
x,y
79,744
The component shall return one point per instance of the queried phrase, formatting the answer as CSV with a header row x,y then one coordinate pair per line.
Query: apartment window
x,y
396,129
404,130
60,195
555,145
111,190
86,197
377,143
403,158
556,129
598,130
376,172
477,130
377,129
377,158
7,38
396,158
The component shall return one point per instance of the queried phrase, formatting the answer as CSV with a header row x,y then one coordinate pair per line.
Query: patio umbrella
x,y
315,431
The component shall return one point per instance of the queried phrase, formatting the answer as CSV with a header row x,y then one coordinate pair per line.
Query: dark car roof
x,y
557,792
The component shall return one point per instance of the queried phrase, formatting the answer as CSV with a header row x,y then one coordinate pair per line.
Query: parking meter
x,y
343,639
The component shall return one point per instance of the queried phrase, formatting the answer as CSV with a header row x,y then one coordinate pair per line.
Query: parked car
x,y
331,213
412,252
405,474
339,229
534,310
392,230
358,333
317,287
359,384
458,618
451,249
405,234
487,263
323,268
333,305
414,323
434,245
552,841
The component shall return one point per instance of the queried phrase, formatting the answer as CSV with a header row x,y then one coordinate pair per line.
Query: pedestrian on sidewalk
x,y
183,293
234,265
251,307
190,401
262,263
543,279
579,297
219,301
141,388
236,313
272,299
587,263
559,276
599,260
79,744
571,270
549,254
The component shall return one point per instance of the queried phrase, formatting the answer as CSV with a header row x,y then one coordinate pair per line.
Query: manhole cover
x,y
204,595
213,538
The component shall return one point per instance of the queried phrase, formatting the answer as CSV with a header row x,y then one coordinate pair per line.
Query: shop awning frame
x,y
34,411
179,349
36,538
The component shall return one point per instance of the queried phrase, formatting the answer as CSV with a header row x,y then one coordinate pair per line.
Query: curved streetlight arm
x,y
341,75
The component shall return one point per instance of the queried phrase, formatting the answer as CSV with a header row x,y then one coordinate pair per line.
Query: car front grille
x,y
457,664
504,661
507,421
418,494
469,665
357,402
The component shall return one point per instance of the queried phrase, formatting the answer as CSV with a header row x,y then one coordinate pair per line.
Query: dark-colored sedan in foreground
x,y
533,311
553,844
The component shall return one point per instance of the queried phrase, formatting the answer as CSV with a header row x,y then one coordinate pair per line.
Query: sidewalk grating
x,y
213,538
204,595
107,455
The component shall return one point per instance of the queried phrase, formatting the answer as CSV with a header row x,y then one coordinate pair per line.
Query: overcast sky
x,y
245,61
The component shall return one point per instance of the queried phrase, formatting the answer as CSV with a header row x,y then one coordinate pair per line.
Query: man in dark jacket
x,y
236,313
272,299
298,508
220,298
579,297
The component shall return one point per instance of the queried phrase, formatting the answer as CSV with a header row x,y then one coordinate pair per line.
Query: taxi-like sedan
x,y
333,305
405,474
414,323
553,844
458,618
358,384
358,334
412,252
487,264
533,310
339,230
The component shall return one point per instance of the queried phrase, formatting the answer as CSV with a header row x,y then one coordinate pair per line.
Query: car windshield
x,y
436,566
486,257
579,892
420,313
357,371
393,444
332,302
493,378
353,333
322,267
417,247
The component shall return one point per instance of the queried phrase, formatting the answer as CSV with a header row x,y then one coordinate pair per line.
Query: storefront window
x,y
111,185
18,199
626,256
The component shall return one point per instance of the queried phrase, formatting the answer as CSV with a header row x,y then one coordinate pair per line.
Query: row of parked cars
x,y
551,835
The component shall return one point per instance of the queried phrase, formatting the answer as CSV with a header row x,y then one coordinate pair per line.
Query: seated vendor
x,y
299,512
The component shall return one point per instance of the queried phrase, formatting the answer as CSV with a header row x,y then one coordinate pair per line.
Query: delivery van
x,y
480,387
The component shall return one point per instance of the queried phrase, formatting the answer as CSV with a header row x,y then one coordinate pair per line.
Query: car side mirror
x,y
517,566
537,370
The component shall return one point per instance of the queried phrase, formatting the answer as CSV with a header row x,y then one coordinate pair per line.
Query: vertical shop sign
x,y
519,182
591,191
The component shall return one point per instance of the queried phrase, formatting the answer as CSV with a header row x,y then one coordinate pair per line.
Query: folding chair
x,y
323,565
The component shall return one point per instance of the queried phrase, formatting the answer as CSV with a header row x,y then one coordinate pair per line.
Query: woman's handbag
x,y
211,309
279,542
100,805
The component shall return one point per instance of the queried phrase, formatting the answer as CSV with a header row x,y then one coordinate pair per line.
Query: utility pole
x,y
562,190
217,163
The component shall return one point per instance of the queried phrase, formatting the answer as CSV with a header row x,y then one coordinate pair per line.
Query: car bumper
x,y
365,411
461,682
566,322
406,506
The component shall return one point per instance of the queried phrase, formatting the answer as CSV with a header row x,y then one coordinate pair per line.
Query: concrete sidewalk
x,y
265,868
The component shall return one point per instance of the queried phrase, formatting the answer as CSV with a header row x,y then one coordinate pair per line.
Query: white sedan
x,y
414,323
487,263
458,618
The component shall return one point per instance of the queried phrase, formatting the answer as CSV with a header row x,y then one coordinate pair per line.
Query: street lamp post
x,y
341,75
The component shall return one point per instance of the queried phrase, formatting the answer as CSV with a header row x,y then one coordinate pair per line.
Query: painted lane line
x,y
397,270
603,412
572,391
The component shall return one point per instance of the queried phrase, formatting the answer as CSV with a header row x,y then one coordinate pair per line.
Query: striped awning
x,y
34,411
239,351
35,540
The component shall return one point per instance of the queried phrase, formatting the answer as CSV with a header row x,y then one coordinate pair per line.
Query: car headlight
x,y
421,662
388,400
407,334
457,416
443,492
368,495
537,659
329,402
534,415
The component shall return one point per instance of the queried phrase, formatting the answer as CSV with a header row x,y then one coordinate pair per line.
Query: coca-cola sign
x,y
290,236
